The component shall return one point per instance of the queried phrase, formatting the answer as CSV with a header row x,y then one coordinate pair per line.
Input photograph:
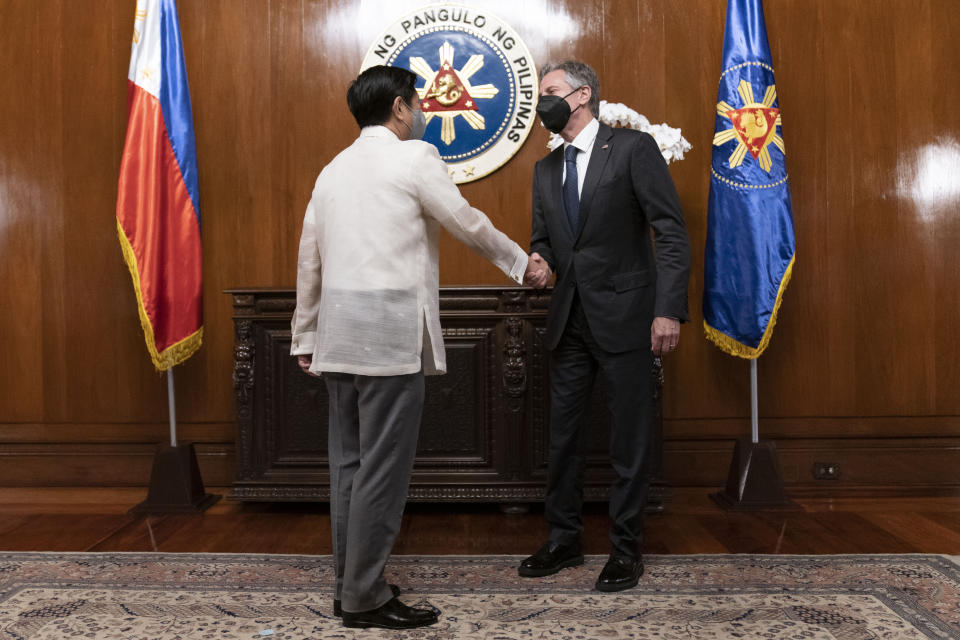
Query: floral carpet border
x,y
922,589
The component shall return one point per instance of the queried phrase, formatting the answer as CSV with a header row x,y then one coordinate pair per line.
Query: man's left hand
x,y
304,362
664,335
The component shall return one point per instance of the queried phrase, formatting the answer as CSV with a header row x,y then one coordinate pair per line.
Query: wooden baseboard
x,y
114,432
860,466
824,427
100,465
824,465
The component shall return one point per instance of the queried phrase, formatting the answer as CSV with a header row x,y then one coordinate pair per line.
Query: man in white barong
x,y
367,319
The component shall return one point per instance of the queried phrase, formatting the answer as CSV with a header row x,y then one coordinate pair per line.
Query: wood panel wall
x,y
864,366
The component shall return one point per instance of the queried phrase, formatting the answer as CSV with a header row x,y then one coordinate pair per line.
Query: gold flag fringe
x,y
735,347
175,353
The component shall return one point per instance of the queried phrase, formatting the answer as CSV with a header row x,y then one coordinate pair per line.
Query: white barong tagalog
x,y
367,273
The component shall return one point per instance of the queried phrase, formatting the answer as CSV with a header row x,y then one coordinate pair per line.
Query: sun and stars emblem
x,y
754,126
448,92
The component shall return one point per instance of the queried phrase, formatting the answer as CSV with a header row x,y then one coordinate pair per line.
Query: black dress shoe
x,y
393,615
338,608
551,558
620,573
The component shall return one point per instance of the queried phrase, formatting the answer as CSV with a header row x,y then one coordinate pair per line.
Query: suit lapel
x,y
598,161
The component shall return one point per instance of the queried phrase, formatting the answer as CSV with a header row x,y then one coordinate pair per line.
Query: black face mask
x,y
554,111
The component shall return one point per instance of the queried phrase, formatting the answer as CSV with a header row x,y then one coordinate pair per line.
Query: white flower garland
x,y
614,114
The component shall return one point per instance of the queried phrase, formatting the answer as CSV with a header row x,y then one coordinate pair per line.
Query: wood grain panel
x,y
866,343
22,199
93,116
802,343
941,222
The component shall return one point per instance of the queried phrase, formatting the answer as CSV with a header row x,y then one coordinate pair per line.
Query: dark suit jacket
x,y
610,261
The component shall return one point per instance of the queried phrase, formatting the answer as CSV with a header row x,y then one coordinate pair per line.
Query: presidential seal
x,y
477,83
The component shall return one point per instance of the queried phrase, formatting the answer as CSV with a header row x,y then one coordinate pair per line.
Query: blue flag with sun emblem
x,y
750,241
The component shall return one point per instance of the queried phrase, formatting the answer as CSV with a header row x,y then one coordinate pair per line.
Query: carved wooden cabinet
x,y
484,430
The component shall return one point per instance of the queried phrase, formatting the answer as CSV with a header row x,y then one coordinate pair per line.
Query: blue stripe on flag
x,y
175,100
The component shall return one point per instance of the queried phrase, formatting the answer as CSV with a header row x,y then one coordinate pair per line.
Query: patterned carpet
x,y
137,596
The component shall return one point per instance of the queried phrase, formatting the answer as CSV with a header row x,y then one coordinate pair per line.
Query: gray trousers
x,y
374,424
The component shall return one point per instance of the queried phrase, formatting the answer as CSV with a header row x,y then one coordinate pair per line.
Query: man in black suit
x,y
616,304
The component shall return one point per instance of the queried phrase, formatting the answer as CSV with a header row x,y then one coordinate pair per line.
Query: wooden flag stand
x,y
754,482
175,482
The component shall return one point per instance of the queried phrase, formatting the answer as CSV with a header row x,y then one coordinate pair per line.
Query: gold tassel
x,y
737,348
175,353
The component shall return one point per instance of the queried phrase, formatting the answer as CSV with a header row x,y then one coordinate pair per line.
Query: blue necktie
x,y
571,196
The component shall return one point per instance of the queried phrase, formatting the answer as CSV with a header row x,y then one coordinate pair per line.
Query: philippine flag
x,y
158,205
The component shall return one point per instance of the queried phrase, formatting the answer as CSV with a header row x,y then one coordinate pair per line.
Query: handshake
x,y
538,272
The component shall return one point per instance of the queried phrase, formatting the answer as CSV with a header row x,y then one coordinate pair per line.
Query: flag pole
x,y
735,204
755,429
156,201
175,482
171,401
754,482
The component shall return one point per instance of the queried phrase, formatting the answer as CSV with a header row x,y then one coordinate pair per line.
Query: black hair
x,y
370,97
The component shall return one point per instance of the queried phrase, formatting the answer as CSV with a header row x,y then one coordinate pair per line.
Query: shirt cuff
x,y
302,344
519,265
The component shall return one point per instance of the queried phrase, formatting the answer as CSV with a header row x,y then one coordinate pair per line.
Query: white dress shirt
x,y
367,272
584,142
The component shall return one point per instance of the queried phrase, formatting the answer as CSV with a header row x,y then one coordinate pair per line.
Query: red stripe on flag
x,y
156,216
